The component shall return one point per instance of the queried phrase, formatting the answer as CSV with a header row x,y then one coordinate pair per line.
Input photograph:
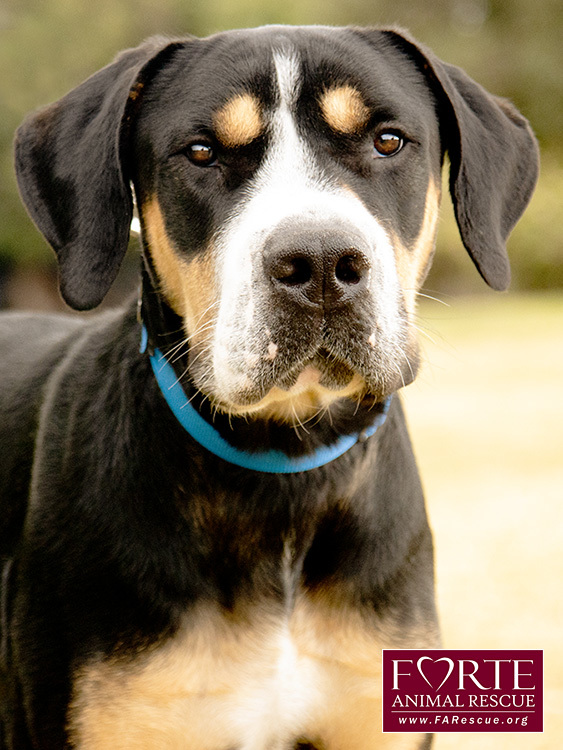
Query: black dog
x,y
204,545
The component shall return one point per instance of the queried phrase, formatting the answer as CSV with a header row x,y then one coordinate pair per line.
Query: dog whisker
x,y
424,332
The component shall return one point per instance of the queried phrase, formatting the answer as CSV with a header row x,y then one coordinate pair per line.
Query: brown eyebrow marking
x,y
344,109
239,121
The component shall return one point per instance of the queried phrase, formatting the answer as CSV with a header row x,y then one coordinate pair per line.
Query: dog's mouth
x,y
323,369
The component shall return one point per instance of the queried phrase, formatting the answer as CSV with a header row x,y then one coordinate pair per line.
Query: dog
x,y
212,520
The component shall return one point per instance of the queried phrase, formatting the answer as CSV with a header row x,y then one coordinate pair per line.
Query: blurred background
x,y
486,412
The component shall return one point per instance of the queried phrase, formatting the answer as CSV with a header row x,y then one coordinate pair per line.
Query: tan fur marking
x,y
200,300
189,287
412,263
254,683
239,121
344,109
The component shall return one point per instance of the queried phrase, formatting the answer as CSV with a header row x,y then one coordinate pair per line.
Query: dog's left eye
x,y
388,143
201,154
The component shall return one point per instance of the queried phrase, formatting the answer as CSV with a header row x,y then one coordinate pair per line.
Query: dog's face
x,y
288,189
288,183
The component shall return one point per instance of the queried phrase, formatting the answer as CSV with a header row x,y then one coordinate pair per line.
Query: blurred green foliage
x,y
512,47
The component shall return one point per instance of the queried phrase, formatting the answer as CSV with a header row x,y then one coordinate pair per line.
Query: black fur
x,y
102,544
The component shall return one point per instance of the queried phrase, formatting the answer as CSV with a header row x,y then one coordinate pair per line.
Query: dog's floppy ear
x,y
72,171
493,160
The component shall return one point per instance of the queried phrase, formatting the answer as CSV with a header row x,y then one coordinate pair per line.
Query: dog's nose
x,y
317,266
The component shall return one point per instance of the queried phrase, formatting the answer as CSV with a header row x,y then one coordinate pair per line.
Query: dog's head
x,y
288,185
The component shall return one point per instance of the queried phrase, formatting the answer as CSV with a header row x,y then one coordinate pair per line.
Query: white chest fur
x,y
258,684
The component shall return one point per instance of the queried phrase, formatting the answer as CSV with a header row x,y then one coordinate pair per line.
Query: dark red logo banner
x,y
440,690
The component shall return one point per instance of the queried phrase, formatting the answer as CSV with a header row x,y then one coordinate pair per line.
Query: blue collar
x,y
271,461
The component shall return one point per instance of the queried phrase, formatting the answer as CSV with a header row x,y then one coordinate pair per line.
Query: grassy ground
x,y
486,417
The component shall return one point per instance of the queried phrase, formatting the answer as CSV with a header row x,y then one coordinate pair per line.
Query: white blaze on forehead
x,y
287,74
289,165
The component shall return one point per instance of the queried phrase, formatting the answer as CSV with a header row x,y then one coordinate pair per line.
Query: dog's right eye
x,y
201,154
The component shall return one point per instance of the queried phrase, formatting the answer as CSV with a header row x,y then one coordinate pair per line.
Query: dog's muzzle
x,y
309,316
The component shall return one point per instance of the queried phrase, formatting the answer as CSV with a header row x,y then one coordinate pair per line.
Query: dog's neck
x,y
262,446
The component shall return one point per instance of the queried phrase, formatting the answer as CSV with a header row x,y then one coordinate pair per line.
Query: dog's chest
x,y
261,684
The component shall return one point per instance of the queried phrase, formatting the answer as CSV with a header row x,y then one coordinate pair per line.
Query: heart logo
x,y
435,661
